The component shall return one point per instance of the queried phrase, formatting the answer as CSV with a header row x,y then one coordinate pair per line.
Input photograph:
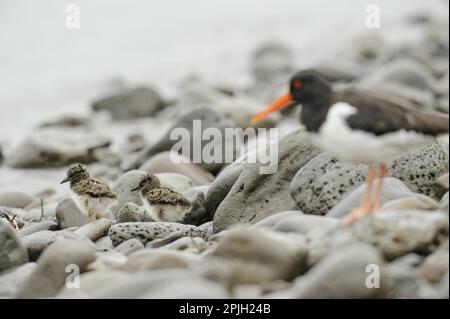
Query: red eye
x,y
297,85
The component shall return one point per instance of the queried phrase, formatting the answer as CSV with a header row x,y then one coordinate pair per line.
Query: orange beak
x,y
278,105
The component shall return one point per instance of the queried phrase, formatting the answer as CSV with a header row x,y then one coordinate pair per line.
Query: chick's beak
x,y
65,180
135,189
278,105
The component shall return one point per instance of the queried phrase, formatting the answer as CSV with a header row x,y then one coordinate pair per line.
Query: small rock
x,y
155,259
393,189
149,231
104,244
197,215
302,224
91,282
130,212
95,230
35,243
208,119
129,246
257,256
164,163
123,186
440,187
135,103
435,267
403,273
171,283
50,274
12,251
411,203
189,244
15,199
343,275
254,195
57,147
272,61
69,215
35,227
178,182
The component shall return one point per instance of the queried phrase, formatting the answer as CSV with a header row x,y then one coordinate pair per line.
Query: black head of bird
x,y
307,88
147,183
76,172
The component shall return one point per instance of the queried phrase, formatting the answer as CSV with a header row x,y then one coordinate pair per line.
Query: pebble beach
x,y
248,235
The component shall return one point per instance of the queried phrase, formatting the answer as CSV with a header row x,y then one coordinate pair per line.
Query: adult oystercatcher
x,y
357,126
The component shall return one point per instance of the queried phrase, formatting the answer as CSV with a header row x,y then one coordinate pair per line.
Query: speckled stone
x,y
148,231
324,181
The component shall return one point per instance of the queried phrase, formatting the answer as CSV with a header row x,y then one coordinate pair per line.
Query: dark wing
x,y
166,196
381,115
93,188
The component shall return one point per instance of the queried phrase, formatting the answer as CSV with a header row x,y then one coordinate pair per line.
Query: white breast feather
x,y
336,137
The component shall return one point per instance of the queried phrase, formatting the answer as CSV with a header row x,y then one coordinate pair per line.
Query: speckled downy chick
x,y
92,196
162,203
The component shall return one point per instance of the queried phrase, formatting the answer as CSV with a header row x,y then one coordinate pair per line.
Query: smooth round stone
x,y
129,246
393,189
13,252
158,259
255,255
69,215
95,230
123,186
35,227
342,274
16,199
272,61
50,274
171,162
178,182
104,244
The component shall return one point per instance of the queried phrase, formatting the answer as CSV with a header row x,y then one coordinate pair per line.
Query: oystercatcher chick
x,y
162,203
357,126
92,196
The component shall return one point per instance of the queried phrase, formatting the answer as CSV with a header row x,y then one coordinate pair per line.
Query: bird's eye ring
x,y
297,85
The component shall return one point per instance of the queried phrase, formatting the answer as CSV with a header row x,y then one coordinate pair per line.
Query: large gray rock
x,y
57,147
324,181
51,273
12,251
254,255
343,275
16,199
255,196
69,215
135,103
148,231
208,119
163,163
